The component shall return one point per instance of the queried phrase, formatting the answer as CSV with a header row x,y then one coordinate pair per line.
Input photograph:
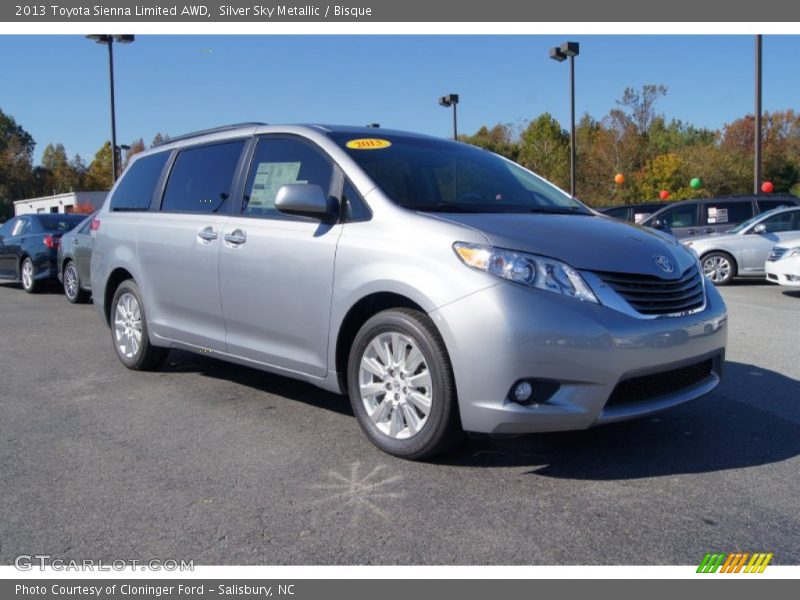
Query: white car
x,y
783,264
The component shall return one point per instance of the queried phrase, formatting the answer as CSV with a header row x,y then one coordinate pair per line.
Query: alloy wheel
x,y
71,282
27,274
717,268
395,385
128,325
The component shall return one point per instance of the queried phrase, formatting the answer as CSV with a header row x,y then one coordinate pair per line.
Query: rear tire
x,y
401,385
129,332
27,275
72,284
719,267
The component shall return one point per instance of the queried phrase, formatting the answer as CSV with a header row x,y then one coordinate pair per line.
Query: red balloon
x,y
663,194
767,187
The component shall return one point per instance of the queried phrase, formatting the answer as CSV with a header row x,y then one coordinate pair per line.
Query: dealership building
x,y
59,203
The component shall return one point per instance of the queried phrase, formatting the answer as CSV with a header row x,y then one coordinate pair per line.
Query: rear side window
x,y
22,227
135,191
201,178
278,162
721,213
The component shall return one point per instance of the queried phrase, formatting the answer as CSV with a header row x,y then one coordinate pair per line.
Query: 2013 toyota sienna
x,y
444,288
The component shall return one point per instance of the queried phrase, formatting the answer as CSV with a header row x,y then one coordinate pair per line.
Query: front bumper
x,y
506,333
779,271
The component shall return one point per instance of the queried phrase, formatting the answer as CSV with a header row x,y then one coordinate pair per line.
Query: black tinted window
x,y
617,213
135,190
200,180
355,209
681,216
765,205
281,161
60,223
721,213
428,174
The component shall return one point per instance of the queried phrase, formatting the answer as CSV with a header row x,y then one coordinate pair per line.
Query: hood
x,y
592,243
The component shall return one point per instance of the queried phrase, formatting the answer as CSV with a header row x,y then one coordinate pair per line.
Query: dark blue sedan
x,y
29,245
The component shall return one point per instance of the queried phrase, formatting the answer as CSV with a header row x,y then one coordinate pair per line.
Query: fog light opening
x,y
533,391
523,391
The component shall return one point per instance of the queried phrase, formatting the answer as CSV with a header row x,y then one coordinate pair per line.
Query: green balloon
x,y
695,183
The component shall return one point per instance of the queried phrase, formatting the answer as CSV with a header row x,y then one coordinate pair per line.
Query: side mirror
x,y
659,224
305,200
760,228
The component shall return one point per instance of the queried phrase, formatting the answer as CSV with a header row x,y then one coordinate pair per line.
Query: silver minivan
x,y
444,288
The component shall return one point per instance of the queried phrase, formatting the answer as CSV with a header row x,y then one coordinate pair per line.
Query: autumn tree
x,y
16,162
98,175
544,148
640,105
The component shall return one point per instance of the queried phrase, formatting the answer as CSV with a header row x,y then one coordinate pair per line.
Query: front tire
x,y
129,330
72,284
27,276
401,385
719,267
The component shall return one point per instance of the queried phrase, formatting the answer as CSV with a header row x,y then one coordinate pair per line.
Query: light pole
x,y
757,141
109,40
569,50
447,101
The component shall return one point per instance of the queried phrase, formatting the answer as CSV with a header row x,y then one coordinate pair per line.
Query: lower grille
x,y
649,295
648,387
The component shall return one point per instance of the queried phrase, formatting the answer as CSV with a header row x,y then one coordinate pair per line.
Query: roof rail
x,y
187,136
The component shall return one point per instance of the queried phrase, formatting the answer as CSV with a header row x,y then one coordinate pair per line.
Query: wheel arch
x,y
358,314
115,278
728,253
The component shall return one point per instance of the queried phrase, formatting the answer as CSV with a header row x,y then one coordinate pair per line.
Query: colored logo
x,y
368,144
665,264
735,562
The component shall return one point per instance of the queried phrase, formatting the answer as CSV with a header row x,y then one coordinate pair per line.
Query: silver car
x,y
444,288
743,250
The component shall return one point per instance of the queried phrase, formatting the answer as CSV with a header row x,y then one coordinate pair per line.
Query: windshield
x,y
60,223
442,176
746,224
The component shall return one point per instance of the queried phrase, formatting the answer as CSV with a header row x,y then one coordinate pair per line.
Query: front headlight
x,y
791,253
526,269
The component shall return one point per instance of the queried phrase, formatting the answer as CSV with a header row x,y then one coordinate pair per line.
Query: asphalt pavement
x,y
223,464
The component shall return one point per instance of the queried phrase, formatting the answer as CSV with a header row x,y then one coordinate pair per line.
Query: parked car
x,y
74,255
28,247
783,264
705,216
743,250
445,288
634,213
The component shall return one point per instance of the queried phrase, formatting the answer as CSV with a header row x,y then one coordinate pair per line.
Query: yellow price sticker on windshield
x,y
368,144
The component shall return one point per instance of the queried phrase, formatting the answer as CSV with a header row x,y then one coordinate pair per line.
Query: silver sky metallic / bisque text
x,y
285,10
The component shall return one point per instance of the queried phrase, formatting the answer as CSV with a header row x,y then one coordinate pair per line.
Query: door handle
x,y
207,234
75,242
708,230
691,231
237,237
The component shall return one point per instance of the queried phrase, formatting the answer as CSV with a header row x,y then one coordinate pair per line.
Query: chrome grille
x,y
776,253
649,295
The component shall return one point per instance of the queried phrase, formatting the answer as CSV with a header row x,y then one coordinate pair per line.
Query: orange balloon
x,y
619,178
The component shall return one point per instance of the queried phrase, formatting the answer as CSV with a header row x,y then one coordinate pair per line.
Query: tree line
x,y
57,173
654,155
651,153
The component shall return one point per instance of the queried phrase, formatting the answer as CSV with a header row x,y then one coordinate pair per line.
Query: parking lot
x,y
227,465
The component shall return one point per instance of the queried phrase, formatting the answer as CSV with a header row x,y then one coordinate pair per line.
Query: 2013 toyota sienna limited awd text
x,y
444,288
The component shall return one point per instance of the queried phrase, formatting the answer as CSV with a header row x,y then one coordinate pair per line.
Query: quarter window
x,y
201,178
278,162
354,207
20,228
135,190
